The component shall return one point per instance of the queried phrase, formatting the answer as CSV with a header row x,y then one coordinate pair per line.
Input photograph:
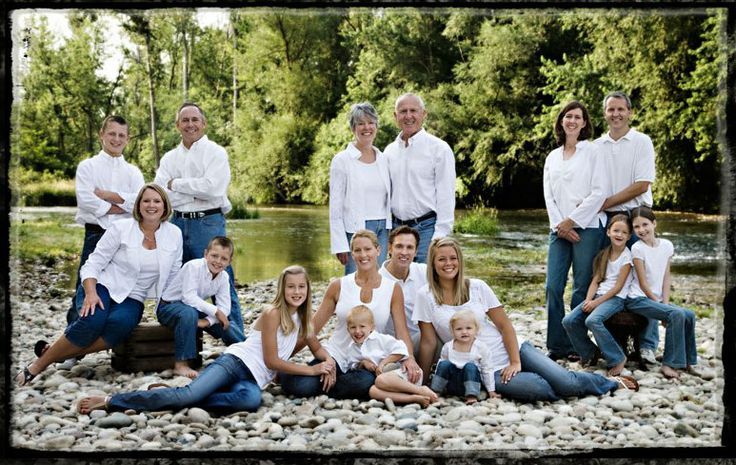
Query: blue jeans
x,y
543,379
225,385
378,227
426,231
577,323
465,381
680,350
91,238
114,324
197,233
561,255
182,319
354,384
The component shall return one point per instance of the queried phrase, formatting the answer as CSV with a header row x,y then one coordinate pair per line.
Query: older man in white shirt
x,y
106,187
422,169
196,175
629,155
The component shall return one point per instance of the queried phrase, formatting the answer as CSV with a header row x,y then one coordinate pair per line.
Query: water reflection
x,y
287,235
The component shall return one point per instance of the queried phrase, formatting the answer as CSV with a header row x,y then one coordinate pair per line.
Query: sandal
x,y
40,347
26,375
158,386
627,382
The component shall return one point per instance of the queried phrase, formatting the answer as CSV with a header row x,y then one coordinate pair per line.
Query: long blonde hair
x,y
600,262
461,287
305,309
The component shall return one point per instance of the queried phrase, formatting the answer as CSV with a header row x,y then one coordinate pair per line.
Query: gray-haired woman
x,y
360,188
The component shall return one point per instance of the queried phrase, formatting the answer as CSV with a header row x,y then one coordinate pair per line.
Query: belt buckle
x,y
200,214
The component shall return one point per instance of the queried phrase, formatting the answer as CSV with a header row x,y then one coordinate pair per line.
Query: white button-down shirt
x,y
115,263
479,354
107,173
201,175
576,187
375,348
347,201
416,279
422,179
194,283
629,159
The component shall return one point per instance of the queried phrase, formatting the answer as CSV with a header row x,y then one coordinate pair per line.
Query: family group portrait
x,y
373,230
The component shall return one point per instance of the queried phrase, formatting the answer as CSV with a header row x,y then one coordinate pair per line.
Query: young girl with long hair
x,y
606,295
649,296
233,382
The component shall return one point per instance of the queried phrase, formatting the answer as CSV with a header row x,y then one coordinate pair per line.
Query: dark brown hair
x,y
585,133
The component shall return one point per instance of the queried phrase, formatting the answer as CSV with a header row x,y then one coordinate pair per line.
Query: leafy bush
x,y
479,220
32,189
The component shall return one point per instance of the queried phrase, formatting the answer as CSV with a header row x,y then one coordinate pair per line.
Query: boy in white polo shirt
x,y
373,351
183,307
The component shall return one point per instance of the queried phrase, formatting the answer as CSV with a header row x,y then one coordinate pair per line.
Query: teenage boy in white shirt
x,y
183,306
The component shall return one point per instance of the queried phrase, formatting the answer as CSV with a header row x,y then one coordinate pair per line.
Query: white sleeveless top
x,y
380,305
250,351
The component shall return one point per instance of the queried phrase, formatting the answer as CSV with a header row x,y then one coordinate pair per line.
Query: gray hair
x,y
616,94
360,111
409,94
190,104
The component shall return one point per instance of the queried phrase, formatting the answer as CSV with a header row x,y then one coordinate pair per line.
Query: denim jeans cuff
x,y
472,388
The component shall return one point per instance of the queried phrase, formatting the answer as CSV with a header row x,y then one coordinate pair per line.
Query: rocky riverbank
x,y
664,413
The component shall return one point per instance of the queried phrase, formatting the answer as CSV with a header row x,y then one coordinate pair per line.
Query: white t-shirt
x,y
372,189
479,354
416,279
613,268
656,260
250,351
375,348
147,276
482,299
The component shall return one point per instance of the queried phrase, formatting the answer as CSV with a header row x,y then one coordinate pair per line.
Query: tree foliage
x,y
277,85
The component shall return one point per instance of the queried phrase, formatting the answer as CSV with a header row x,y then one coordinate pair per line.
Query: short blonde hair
x,y
464,315
160,190
364,233
359,311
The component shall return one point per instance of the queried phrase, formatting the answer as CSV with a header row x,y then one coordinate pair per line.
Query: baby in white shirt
x,y
373,351
465,361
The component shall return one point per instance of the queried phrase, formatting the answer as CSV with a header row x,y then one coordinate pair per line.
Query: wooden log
x,y
150,347
625,327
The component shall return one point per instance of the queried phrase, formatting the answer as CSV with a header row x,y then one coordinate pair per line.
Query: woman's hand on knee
x,y
510,371
91,301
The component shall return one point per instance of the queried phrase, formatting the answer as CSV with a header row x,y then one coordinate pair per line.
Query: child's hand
x,y
589,306
203,323
222,318
379,368
493,395
368,365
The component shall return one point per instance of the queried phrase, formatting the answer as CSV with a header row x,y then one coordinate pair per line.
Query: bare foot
x,y
470,400
617,369
182,369
203,323
426,391
87,404
669,372
419,399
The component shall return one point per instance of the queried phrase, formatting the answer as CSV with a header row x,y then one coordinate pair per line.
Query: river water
x,y
285,235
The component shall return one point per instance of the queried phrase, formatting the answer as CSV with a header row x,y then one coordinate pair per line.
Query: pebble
x,y
663,413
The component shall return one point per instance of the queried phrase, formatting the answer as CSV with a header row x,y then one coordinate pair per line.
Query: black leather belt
x,y
196,215
95,228
416,221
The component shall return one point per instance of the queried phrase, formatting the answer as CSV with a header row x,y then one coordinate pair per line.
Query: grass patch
x,y
479,220
48,240
32,189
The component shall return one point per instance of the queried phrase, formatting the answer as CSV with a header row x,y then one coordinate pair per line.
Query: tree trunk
x,y
185,68
151,97
235,69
